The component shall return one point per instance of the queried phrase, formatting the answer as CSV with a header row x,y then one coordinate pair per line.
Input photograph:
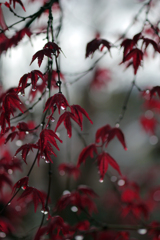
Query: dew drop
x,y
45,212
78,237
19,94
52,119
62,173
113,179
27,132
63,108
101,180
47,89
2,235
43,156
18,208
23,187
47,161
33,89
153,140
117,125
121,182
74,209
41,124
9,203
142,231
42,211
19,143
156,196
66,192
10,171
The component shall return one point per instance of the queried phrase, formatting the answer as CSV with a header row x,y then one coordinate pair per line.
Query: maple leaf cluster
x,y
103,136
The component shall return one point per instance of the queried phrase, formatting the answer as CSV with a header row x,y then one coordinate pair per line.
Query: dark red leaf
x,y
69,169
53,47
23,182
136,55
57,100
118,133
17,1
147,41
78,111
104,159
26,148
95,44
40,55
37,196
86,152
87,190
66,119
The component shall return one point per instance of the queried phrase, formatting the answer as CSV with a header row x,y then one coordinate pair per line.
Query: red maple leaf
x,y
47,137
149,124
87,190
2,21
17,1
40,55
136,55
53,47
57,100
37,196
78,112
23,182
48,49
26,148
147,41
86,152
107,133
70,169
34,76
104,159
66,119
95,44
80,200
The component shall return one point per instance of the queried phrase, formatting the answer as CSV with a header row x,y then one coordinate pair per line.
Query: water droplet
x,y
33,89
9,203
27,132
58,134
42,211
41,124
153,140
142,231
19,143
47,89
19,94
74,209
62,173
2,235
66,192
121,182
10,171
156,195
149,114
52,119
101,180
78,237
23,187
117,125
43,156
18,208
113,179
47,161
63,108
45,212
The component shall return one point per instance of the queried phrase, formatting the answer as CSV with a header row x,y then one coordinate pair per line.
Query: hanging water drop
x,y
33,89
63,108
27,132
142,231
101,180
47,161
